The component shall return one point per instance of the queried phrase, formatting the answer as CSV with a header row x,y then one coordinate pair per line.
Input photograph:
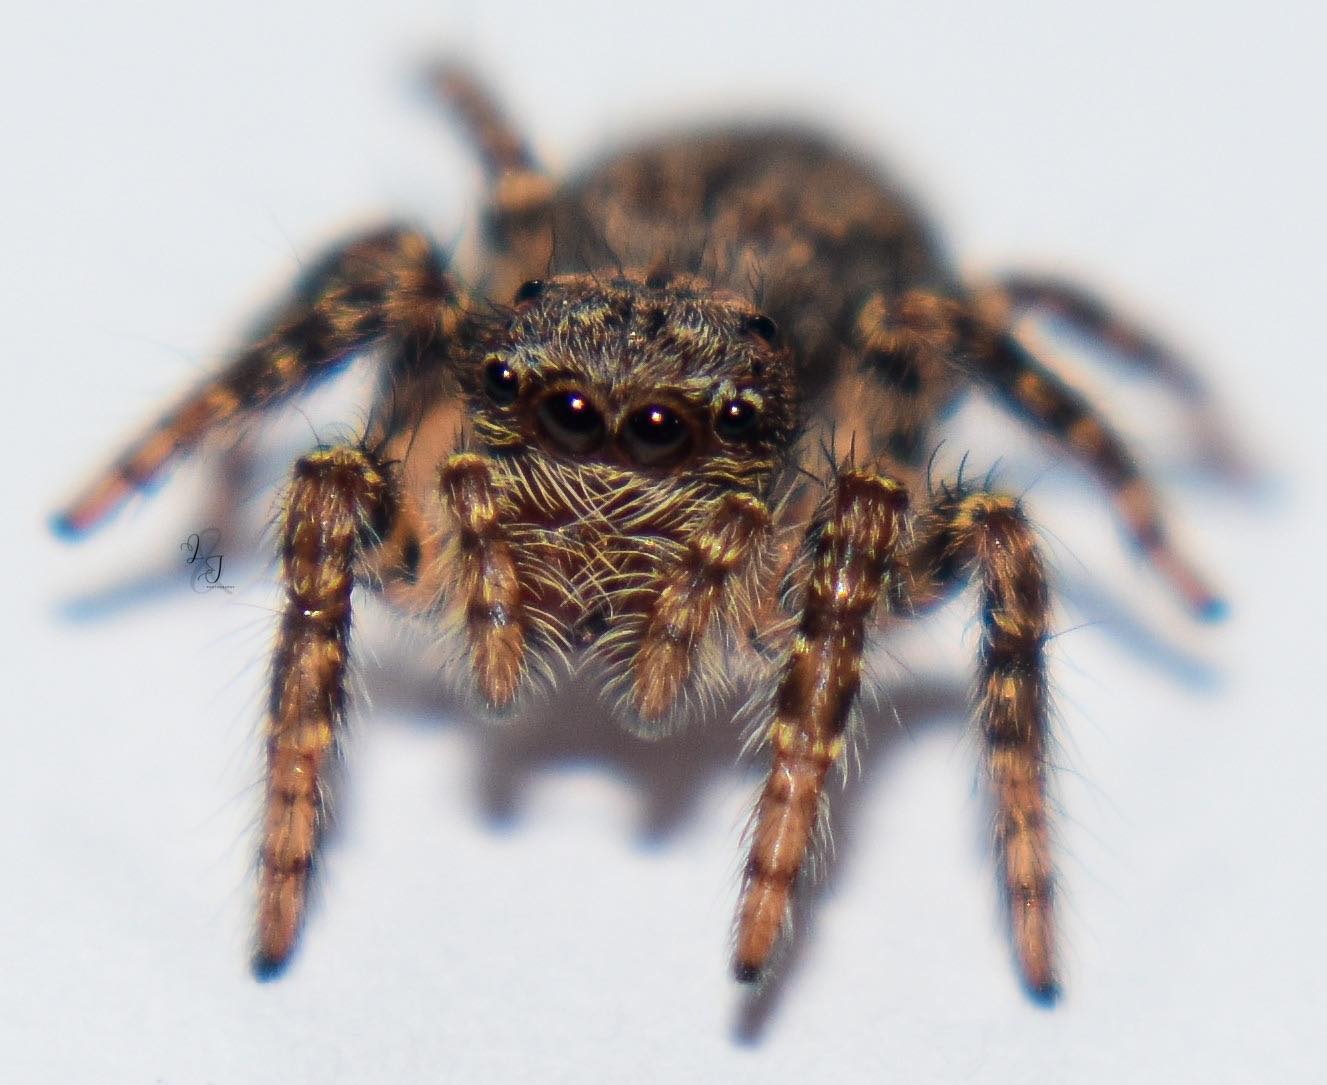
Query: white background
x,y
553,903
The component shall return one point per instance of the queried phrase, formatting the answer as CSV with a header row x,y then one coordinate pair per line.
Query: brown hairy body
x,y
686,443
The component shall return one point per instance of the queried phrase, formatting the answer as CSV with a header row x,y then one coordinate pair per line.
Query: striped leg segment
x,y
388,285
851,544
1036,394
339,498
521,194
1097,319
1039,395
985,537
488,583
693,591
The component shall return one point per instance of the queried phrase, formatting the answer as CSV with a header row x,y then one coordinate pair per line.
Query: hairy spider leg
x,y
1098,321
388,285
339,504
985,537
850,543
927,321
518,221
1036,393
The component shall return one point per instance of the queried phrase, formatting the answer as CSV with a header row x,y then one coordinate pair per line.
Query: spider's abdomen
x,y
775,215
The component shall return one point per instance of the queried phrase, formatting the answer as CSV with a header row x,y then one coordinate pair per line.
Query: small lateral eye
x,y
570,419
529,290
762,327
656,435
737,419
501,383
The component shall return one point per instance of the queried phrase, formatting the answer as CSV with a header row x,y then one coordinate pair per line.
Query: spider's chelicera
x,y
686,442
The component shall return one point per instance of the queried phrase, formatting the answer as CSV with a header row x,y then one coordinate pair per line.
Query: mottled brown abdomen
x,y
776,215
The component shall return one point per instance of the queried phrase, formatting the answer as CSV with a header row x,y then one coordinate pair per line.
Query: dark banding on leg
x,y
388,285
985,537
488,585
691,593
928,325
340,500
1100,322
519,216
851,542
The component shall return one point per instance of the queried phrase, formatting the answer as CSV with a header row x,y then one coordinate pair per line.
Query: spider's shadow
x,y
904,711
672,774
574,725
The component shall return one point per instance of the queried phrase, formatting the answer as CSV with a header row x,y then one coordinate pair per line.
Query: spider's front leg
x,y
851,546
985,537
340,502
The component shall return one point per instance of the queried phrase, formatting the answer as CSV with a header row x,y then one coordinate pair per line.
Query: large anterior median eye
x,y
570,419
656,435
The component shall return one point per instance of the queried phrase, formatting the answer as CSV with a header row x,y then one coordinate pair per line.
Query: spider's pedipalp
x,y
488,582
697,586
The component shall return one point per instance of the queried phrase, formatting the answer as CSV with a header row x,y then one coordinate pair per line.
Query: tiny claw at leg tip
x,y
269,966
1213,609
1045,993
65,526
745,972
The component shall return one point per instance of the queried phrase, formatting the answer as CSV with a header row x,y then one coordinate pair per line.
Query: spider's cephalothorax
x,y
689,434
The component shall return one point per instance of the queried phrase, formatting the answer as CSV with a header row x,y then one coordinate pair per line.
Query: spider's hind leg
x,y
994,357
1040,396
1099,321
388,285
518,219
1103,326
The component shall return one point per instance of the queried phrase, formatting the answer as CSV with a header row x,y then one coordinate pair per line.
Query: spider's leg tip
x,y
1045,994
745,972
1213,609
72,525
64,526
267,967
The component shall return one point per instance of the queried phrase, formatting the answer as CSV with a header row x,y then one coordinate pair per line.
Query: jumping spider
x,y
694,440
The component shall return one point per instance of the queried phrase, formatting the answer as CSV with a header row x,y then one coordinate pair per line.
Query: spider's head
x,y
670,378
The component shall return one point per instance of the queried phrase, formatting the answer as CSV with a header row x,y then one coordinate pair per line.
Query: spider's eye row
x,y
656,435
571,420
737,419
501,383
529,290
762,327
